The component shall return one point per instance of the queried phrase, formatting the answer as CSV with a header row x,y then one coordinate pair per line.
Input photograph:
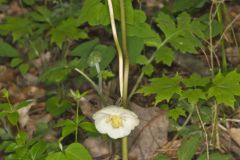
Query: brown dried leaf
x,y
98,147
235,134
150,135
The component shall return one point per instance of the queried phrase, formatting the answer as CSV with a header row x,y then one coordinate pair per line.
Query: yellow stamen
x,y
116,121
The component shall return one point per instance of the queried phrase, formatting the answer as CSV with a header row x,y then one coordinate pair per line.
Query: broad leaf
x,y
56,156
163,87
7,50
17,26
193,95
165,55
189,147
67,30
13,118
224,88
216,156
196,80
176,113
135,47
56,106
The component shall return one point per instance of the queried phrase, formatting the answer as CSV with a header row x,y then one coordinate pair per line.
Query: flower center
x,y
116,121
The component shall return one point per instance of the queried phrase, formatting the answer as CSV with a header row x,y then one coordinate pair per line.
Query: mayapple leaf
x,y
196,80
176,113
164,55
135,47
189,147
163,87
67,30
225,88
193,95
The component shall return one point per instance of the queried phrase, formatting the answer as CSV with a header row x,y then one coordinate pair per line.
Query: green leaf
x,y
17,26
142,59
162,157
23,104
76,151
15,62
38,149
24,68
42,14
181,5
67,30
83,50
184,35
165,55
163,87
88,127
166,24
56,106
193,95
106,74
90,13
148,69
56,156
144,31
68,126
224,88
216,156
128,9
176,113
29,2
13,118
5,107
196,80
7,50
189,147
135,47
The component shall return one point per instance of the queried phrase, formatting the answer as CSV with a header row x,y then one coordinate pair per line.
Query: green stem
x,y
125,73
224,58
99,77
76,121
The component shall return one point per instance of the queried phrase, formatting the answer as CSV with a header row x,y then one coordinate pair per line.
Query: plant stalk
x,y
125,72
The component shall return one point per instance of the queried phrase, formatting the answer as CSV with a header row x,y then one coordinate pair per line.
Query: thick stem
x,y
119,50
125,73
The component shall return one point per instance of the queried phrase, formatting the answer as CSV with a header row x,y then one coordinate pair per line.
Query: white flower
x,y
115,121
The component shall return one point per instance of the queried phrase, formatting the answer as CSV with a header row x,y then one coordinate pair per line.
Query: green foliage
x,y
56,106
184,35
7,50
216,156
161,157
225,88
163,87
165,55
189,147
67,30
181,5
18,27
176,113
